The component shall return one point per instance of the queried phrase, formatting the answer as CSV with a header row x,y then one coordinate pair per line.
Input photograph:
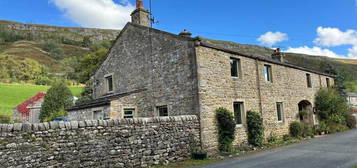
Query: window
x,y
98,115
235,67
279,110
267,73
129,113
238,112
308,80
109,80
163,111
328,82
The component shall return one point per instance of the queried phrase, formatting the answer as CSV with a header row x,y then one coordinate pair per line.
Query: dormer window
x,y
109,83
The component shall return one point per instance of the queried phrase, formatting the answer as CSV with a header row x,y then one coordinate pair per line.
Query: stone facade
x,y
99,143
29,110
218,89
193,77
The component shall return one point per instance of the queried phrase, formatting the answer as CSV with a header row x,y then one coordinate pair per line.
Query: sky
x,y
316,27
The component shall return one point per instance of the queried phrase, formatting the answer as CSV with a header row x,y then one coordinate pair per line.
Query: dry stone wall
x,y
104,143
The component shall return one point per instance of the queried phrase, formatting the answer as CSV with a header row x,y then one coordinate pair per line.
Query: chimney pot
x,y
185,33
139,4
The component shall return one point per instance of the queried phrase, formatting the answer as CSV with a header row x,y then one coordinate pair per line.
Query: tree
x,y
86,42
57,99
331,107
90,63
339,79
87,93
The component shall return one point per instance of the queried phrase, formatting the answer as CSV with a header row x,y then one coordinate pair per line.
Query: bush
x,y
57,99
298,130
43,81
255,128
4,119
295,129
226,129
351,121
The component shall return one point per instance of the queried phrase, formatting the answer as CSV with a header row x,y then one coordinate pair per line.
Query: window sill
x,y
239,125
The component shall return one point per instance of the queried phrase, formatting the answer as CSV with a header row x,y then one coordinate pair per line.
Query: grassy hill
x,y
12,95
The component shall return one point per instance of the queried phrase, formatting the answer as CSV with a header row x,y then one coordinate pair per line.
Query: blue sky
x,y
324,27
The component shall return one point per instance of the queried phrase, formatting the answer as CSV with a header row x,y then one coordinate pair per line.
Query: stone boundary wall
x,y
138,142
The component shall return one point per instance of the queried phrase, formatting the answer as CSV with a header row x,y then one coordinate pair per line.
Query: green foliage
x,y
58,98
17,69
43,81
90,63
339,79
255,128
86,42
54,49
87,93
331,107
4,119
297,130
226,129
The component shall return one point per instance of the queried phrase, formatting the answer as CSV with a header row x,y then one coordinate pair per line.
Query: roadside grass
x,y
12,95
236,153
351,86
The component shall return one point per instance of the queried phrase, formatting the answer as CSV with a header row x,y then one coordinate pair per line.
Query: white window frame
x,y
242,113
129,109
238,68
268,73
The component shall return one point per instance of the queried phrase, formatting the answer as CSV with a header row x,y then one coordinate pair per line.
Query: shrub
x,y
57,99
351,121
43,81
255,128
226,129
295,129
4,119
307,130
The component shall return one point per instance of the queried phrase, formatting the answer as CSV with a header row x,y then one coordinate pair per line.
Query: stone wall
x,y
99,143
218,89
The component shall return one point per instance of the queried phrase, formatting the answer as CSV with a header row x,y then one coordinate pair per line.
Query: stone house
x,y
29,110
150,73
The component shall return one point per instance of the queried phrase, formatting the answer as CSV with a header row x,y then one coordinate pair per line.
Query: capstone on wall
x,y
218,89
99,143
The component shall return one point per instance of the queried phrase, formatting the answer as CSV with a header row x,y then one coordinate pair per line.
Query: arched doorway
x,y
306,113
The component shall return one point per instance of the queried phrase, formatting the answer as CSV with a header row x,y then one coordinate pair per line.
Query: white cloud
x,y
314,51
271,38
330,37
96,13
352,52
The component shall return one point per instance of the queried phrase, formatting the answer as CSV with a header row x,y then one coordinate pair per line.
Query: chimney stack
x,y
278,55
185,33
140,15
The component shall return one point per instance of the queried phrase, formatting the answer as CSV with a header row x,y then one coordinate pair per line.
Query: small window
x,y
129,113
238,112
328,82
279,110
268,73
235,67
308,80
163,111
98,115
109,80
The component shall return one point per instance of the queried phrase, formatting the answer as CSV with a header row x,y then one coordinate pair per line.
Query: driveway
x,y
337,150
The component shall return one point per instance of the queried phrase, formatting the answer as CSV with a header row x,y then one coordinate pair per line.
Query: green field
x,y
12,95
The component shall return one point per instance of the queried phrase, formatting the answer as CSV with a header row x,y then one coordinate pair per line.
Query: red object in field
x,y
354,110
22,108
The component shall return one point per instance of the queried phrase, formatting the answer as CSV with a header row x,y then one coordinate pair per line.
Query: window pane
x,y
238,111
234,68
279,107
267,73
110,83
163,111
129,113
308,79
327,82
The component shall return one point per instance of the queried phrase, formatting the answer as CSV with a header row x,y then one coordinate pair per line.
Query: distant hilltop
x,y
41,32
